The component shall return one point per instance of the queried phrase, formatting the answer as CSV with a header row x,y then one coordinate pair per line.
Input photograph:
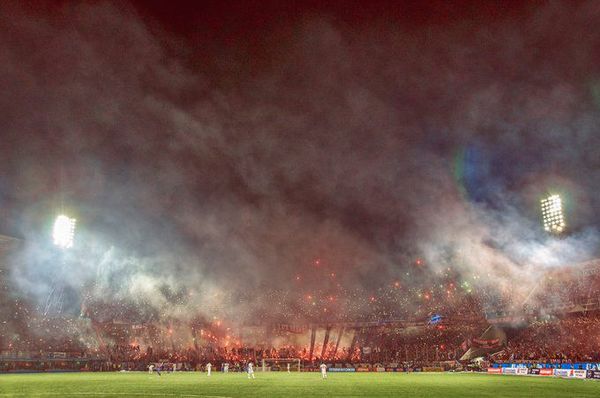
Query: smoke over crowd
x,y
315,157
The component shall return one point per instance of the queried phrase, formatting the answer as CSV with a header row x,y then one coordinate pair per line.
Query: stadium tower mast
x,y
552,214
63,236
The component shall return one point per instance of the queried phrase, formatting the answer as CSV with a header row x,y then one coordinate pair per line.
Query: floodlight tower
x,y
64,231
552,214
63,235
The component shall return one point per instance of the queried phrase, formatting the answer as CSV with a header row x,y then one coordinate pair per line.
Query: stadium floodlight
x,y
64,231
552,214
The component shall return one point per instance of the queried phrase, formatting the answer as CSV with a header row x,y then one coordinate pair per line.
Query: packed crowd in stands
x,y
93,342
572,339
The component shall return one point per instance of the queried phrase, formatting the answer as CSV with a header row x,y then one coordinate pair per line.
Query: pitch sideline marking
x,y
112,393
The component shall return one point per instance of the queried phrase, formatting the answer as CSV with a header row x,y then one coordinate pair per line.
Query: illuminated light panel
x,y
552,214
64,231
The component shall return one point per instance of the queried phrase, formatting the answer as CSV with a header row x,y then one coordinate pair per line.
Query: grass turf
x,y
273,384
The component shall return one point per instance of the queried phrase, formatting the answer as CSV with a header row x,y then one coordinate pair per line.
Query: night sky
x,y
232,148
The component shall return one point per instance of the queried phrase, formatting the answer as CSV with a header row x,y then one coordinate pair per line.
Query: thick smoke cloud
x,y
200,181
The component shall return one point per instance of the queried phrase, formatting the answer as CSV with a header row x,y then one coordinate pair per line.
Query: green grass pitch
x,y
273,384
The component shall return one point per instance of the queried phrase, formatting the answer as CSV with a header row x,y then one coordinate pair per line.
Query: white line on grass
x,y
62,394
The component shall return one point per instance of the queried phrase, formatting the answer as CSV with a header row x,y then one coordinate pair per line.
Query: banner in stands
x,y
578,373
482,343
506,319
59,355
514,371
432,369
362,369
571,373
562,372
593,374
342,370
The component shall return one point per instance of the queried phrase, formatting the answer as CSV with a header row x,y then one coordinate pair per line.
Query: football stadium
x,y
299,199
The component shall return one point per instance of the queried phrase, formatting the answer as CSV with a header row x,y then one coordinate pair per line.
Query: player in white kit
x,y
288,367
150,369
226,367
250,370
323,370
208,368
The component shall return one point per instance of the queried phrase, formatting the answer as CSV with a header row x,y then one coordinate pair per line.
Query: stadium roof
x,y
7,241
